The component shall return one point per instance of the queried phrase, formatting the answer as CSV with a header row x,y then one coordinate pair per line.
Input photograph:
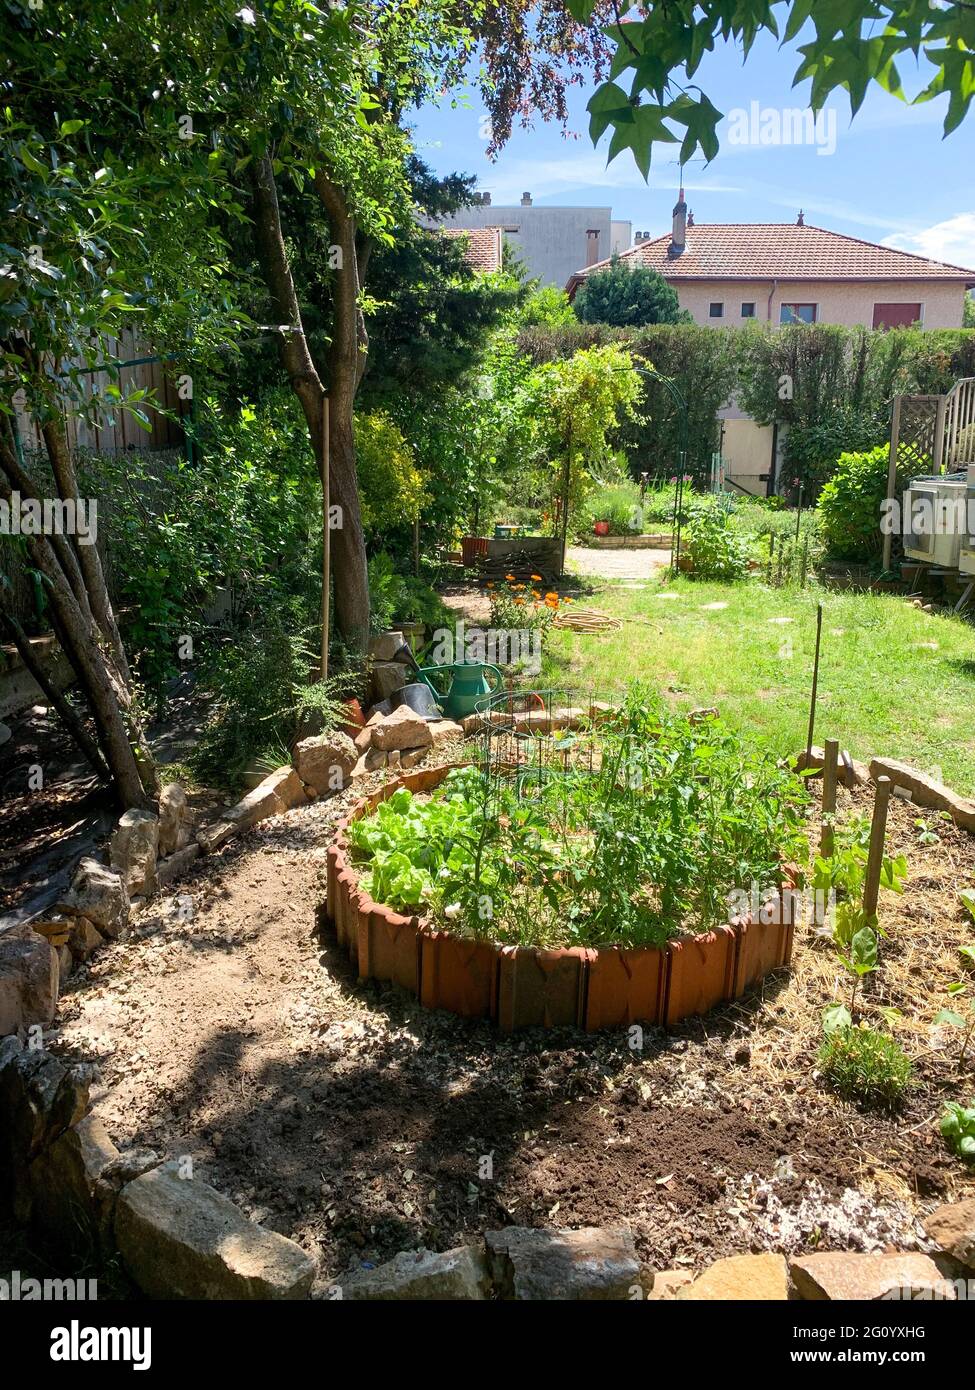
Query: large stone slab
x,y
384,645
952,1228
133,850
326,761
864,1278
282,791
28,979
180,1238
419,1274
594,1263
402,729
387,676
67,1204
757,1278
98,893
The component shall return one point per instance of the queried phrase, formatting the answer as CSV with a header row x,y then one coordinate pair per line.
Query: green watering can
x,y
469,682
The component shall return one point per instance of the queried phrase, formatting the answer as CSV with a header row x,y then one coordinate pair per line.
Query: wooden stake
x,y
878,835
326,537
771,554
815,682
829,797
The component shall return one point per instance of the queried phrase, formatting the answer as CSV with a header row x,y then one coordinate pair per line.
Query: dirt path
x,y
599,563
226,1028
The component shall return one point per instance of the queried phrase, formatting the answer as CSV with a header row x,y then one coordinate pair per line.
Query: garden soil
x,y
230,1028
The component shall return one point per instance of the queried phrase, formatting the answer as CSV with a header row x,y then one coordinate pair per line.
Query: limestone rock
x,y
385,645
133,850
411,756
281,791
325,762
419,1274
65,1190
85,938
169,870
840,1277
925,791
98,893
180,1238
757,1278
387,676
39,1099
173,819
28,979
952,1227
214,836
402,729
597,1262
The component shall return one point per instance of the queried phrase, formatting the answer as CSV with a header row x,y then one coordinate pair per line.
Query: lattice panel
x,y
918,445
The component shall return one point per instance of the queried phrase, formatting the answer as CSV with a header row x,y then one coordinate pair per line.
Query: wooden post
x,y
895,434
878,834
771,554
815,681
832,749
799,514
416,548
326,537
805,562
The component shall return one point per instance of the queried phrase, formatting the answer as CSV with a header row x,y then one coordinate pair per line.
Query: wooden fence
x,y
122,432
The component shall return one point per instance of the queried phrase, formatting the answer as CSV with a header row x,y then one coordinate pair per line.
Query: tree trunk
x,y
105,689
348,551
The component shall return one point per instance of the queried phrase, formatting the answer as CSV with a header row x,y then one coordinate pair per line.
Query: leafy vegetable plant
x,y
958,1128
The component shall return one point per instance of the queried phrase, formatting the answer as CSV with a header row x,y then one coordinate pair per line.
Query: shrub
x,y
627,296
714,547
865,1066
391,487
849,505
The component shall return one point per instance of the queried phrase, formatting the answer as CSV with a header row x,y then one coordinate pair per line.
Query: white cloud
x,y
952,240
555,178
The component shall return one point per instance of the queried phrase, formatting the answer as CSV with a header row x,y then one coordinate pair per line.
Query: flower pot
x,y
356,719
541,988
600,528
702,973
458,974
626,985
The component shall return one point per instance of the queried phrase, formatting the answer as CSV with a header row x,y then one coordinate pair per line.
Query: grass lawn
x,y
893,681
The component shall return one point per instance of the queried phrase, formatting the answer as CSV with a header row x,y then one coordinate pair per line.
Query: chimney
x,y
486,199
690,219
526,200
678,238
592,245
801,219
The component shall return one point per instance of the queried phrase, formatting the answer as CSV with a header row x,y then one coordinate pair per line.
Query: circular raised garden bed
x,y
528,986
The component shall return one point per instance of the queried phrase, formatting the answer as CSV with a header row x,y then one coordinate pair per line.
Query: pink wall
x,y
844,302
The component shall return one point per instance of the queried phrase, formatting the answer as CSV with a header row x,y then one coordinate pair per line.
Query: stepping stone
x,y
666,595
781,620
838,631
712,607
633,586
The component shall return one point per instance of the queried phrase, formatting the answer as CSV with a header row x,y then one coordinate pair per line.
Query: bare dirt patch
x,y
228,1028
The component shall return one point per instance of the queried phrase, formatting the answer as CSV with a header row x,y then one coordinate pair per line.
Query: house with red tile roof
x,y
728,274
483,246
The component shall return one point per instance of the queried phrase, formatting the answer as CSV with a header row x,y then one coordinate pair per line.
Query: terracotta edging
x,y
535,987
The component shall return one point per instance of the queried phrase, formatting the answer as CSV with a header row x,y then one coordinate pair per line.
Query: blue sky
x,y
892,177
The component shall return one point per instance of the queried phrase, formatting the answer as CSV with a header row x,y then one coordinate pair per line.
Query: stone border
x,y
652,540
531,987
916,786
174,1235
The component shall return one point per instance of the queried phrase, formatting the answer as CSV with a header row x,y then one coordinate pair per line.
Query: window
x,y
716,311
748,309
797,313
897,315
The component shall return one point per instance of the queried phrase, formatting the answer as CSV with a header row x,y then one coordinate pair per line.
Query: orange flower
x,y
519,600
490,584
510,578
537,578
535,593
550,596
567,599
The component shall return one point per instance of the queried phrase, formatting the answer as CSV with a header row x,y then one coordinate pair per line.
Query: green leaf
x,y
836,1017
